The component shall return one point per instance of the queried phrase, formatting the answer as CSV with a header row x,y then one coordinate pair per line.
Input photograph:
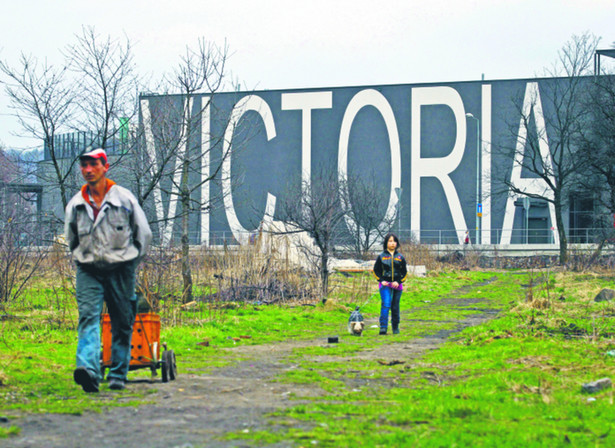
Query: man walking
x,y
108,234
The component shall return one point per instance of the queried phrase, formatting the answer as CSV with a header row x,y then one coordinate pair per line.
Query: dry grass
x,y
257,272
251,273
417,254
585,290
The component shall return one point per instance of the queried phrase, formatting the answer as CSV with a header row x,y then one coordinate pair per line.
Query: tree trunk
x,y
185,241
324,273
58,171
563,240
186,271
597,253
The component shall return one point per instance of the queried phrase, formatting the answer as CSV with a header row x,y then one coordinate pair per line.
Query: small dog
x,y
356,323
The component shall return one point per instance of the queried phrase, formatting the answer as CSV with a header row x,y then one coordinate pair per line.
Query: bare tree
x,y
599,139
44,103
108,86
97,103
599,152
367,217
176,158
316,209
8,169
548,149
20,252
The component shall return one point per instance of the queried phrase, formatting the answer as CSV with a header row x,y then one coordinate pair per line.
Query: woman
x,y
390,269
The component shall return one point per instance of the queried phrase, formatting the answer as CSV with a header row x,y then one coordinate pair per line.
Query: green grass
x,y
514,381
506,383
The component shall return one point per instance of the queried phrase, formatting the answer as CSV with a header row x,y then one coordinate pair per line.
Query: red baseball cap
x,y
96,154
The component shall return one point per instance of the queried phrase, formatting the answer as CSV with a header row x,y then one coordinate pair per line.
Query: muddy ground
x,y
196,410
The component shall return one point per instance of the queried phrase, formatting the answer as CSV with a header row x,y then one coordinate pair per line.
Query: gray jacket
x,y
119,234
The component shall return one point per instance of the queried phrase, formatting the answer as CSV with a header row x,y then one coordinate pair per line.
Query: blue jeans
x,y
117,288
389,301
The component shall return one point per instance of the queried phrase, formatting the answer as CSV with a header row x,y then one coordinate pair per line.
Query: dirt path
x,y
195,410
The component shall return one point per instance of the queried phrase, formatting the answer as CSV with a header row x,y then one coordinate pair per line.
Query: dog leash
x,y
366,302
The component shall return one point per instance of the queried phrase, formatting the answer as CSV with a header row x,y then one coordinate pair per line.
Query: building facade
x,y
440,151
220,164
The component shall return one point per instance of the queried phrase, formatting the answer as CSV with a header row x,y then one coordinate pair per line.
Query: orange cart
x,y
145,347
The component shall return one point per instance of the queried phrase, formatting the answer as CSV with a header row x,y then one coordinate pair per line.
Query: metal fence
x,y
448,237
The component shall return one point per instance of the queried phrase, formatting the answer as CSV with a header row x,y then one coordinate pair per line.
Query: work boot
x,y
86,379
116,384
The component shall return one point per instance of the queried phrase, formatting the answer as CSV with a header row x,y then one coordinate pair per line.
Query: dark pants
x,y
117,288
390,299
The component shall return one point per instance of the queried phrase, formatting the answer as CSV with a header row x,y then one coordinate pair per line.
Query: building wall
x,y
414,137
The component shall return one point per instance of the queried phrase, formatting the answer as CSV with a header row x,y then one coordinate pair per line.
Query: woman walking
x,y
390,269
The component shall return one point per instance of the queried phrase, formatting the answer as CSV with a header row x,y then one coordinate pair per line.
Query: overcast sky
x,y
284,44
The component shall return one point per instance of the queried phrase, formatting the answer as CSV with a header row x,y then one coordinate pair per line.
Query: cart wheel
x,y
165,367
172,365
169,366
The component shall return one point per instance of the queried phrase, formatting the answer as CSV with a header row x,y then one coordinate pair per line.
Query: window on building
x,y
581,218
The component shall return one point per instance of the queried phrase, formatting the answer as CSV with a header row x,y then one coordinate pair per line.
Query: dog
x,y
356,323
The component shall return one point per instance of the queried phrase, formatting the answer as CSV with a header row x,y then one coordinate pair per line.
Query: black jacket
x,y
390,268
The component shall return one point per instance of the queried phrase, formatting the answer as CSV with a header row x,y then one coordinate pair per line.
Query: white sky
x,y
283,44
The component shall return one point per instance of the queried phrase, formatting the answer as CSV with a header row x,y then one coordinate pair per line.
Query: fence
x,y
439,240
440,237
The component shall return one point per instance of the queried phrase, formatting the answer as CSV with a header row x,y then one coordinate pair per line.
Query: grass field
x,y
513,381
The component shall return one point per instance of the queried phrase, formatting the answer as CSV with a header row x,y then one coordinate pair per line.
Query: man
x,y
108,234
